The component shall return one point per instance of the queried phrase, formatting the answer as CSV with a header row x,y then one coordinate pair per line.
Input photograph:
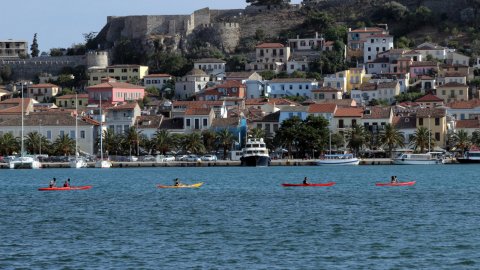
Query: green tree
x,y
132,140
55,52
209,138
64,145
266,2
462,140
356,138
163,141
34,47
111,142
90,40
287,134
476,137
36,143
9,144
225,139
193,143
420,139
391,137
257,133
6,73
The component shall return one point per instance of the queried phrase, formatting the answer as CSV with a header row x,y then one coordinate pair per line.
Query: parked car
x,y
209,158
168,158
193,158
181,157
149,158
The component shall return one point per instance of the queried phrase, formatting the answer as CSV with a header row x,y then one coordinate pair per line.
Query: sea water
x,y
242,218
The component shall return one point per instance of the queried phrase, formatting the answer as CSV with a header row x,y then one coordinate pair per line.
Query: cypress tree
x,y
34,48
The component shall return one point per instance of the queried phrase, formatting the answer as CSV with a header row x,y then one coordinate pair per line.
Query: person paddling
x,y
177,182
67,183
53,182
305,181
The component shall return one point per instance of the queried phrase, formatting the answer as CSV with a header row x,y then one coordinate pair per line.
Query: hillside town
x,y
422,98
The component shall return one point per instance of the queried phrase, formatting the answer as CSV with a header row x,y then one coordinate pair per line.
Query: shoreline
x,y
218,163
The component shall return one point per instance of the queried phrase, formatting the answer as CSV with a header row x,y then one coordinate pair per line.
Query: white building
x,y
298,65
190,84
380,91
270,56
378,66
255,89
214,67
454,58
156,80
292,87
376,44
337,80
306,44
436,51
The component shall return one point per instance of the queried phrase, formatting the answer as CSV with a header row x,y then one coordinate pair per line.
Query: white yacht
x,y
430,158
255,153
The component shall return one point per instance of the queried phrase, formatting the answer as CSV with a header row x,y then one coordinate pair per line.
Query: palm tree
x,y
193,143
476,137
225,139
36,142
420,139
462,140
257,133
64,145
163,141
9,144
356,138
131,139
111,142
209,138
391,137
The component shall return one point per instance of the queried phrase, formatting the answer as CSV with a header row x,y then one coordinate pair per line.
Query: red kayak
x,y
399,184
329,184
64,188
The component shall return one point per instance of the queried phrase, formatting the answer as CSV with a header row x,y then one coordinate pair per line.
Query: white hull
x,y
78,163
103,164
416,162
352,161
24,163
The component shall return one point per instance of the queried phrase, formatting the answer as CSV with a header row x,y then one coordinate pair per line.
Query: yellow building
x,y
68,101
355,78
435,120
453,91
122,73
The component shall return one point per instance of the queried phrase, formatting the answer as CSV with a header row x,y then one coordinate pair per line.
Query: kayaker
x,y
177,182
53,182
67,183
392,179
305,181
396,179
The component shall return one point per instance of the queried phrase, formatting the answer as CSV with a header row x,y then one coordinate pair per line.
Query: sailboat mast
x,y
22,123
76,125
101,129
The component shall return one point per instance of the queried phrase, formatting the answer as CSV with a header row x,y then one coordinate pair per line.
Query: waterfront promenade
x,y
219,163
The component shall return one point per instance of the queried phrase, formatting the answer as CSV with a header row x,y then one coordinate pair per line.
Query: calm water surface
x,y
242,219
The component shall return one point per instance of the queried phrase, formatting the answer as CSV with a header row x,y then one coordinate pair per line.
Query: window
x,y
188,122
437,121
49,134
62,133
205,122
124,70
72,134
82,134
420,121
437,136
369,49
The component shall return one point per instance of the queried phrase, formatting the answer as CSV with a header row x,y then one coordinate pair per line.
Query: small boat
x,y
197,185
430,158
329,184
398,184
65,188
471,156
255,154
338,159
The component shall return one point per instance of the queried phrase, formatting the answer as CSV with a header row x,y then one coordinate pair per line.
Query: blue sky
x,y
61,23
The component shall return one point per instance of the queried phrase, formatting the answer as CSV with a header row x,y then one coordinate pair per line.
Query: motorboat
x,y
255,153
78,162
471,156
430,158
338,159
24,162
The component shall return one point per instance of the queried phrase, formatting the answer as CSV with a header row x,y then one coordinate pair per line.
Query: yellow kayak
x,y
197,185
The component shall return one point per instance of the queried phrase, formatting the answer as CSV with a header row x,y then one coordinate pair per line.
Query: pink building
x,y
114,92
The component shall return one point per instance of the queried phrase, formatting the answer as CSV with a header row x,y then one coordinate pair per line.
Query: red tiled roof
x,y
262,101
378,113
468,123
198,111
470,104
73,96
431,112
197,104
43,85
115,85
230,84
454,74
125,106
270,45
429,98
349,112
424,64
425,77
322,108
326,89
